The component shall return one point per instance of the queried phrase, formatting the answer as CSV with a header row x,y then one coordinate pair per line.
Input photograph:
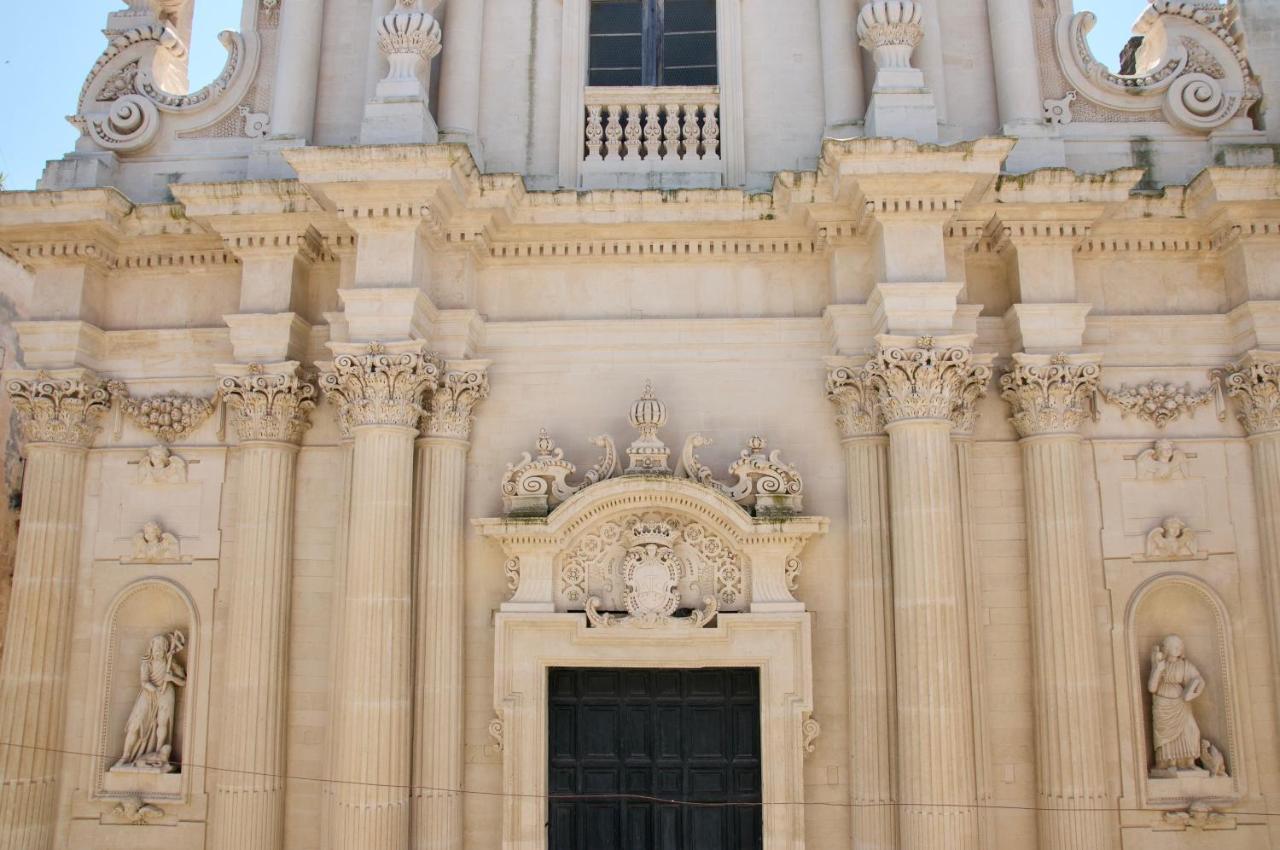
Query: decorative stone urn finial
x,y
409,37
648,454
891,30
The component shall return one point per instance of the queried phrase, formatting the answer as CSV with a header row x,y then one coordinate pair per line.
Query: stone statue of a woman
x,y
148,742
1174,684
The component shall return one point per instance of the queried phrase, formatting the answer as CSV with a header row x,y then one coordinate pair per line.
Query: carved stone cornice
x,y
168,417
927,378
1050,395
857,405
380,383
63,408
270,404
1254,384
462,387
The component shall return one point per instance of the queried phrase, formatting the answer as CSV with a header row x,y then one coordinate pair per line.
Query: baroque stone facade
x,y
935,401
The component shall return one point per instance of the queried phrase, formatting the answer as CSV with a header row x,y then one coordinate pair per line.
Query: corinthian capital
x,y
1254,383
463,386
62,408
380,384
857,406
268,403
927,378
1050,395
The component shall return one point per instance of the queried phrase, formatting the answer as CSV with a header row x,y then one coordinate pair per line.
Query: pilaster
x,y
872,701
379,390
439,595
58,416
922,385
269,410
1254,385
1050,398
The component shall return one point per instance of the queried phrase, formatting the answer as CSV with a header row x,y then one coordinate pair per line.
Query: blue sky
x,y
41,72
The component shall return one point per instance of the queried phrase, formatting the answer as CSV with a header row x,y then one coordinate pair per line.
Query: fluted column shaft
x,y
935,717
58,417
379,390
1049,399
439,595
439,664
872,706
269,412
922,385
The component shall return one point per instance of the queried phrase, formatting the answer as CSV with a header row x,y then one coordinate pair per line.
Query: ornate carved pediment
x,y
764,485
1192,67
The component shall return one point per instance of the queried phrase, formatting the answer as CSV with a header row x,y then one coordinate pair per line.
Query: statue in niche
x,y
1171,540
1162,462
1174,684
148,743
161,466
155,545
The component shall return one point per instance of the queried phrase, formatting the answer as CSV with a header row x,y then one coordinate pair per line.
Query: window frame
x,y
653,37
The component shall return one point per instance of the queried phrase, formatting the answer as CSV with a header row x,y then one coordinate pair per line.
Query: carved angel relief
x,y
154,545
1163,462
1172,540
161,466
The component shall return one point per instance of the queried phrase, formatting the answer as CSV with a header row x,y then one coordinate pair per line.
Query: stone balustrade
x,y
652,128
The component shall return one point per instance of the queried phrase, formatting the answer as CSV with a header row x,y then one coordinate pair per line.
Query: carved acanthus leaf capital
x,y
927,378
857,405
1050,395
267,403
64,408
463,386
1254,384
380,384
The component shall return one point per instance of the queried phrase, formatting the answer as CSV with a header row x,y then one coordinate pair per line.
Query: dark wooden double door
x,y
654,759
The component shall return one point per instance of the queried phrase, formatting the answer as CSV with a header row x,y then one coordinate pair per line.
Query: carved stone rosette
x,y
57,409
1254,383
380,384
857,405
453,402
1050,395
926,380
269,406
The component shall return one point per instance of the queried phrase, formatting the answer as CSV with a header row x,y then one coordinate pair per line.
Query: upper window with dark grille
x,y
653,43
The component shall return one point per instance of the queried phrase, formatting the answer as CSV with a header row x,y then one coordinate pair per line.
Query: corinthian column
x,y
57,417
1050,398
872,711
1254,384
269,410
438,609
920,385
378,389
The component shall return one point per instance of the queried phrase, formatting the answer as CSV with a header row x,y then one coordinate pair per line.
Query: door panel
x,y
654,759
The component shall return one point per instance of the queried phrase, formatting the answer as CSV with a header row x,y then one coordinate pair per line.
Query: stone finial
x,y
380,384
409,37
59,409
538,483
1050,395
765,485
891,30
269,406
1254,384
453,402
648,454
927,379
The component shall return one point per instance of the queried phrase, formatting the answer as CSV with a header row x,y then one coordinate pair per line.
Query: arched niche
x,y
1183,605
140,612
